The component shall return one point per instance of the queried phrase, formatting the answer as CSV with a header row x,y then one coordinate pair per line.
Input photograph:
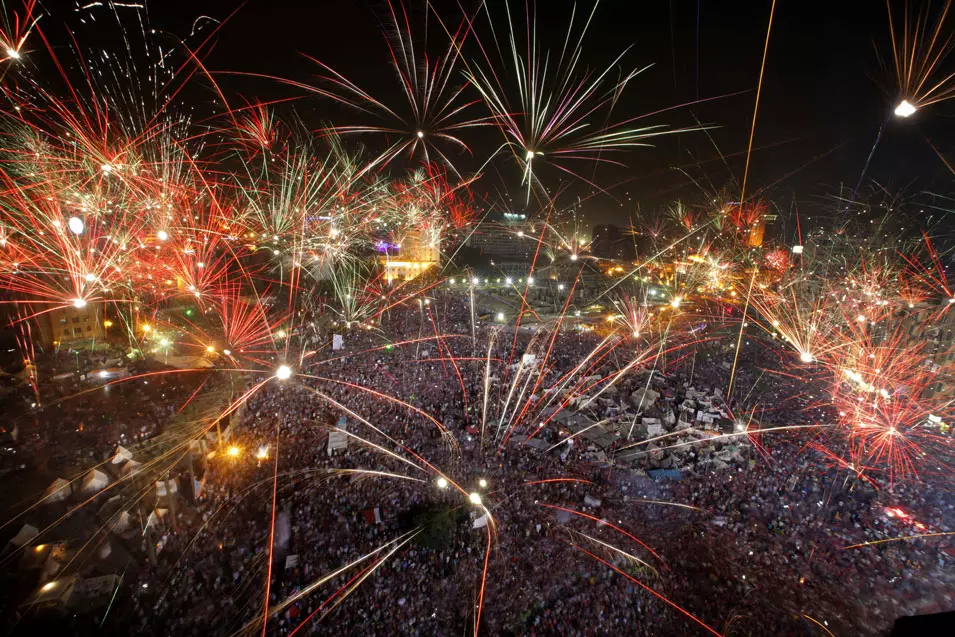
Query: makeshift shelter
x,y
121,455
95,481
53,595
58,491
25,535
644,398
130,467
123,522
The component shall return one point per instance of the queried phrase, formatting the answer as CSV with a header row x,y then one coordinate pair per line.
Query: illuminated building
x,y
416,253
512,238
72,325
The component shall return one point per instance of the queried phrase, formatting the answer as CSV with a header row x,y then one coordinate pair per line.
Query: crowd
x,y
567,551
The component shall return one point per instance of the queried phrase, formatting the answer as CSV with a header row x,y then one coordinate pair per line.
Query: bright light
x,y
483,483
530,280
280,334
675,303
951,300
805,357
48,586
797,249
162,235
210,349
103,373
79,303
420,134
106,168
262,453
76,225
560,286
233,451
475,280
107,323
509,281
529,156
500,316
904,109
284,372
861,318
13,54
147,329
443,482
227,352
636,334
573,257
475,498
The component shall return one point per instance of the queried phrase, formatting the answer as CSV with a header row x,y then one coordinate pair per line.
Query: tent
x,y
121,455
58,491
122,522
644,398
26,534
95,481
130,467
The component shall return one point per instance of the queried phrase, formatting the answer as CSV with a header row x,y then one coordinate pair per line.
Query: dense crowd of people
x,y
371,540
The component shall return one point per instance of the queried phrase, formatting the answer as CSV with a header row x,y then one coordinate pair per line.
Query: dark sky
x,y
824,96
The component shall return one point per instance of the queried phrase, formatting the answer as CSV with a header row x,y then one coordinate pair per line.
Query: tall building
x,y
416,253
70,325
512,238
611,242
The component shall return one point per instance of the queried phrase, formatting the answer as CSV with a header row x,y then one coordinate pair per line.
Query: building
x,y
611,242
418,252
72,326
512,238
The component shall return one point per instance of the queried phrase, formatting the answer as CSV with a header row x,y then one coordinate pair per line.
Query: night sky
x,y
824,98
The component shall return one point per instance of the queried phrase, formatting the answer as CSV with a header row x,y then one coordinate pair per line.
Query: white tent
x,y
122,522
645,397
121,455
26,534
130,467
58,491
95,481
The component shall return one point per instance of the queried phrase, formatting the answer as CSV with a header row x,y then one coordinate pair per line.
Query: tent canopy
x,y
26,534
59,490
95,481
121,455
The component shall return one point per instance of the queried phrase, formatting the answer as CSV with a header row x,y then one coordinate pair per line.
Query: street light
x,y
475,498
905,109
